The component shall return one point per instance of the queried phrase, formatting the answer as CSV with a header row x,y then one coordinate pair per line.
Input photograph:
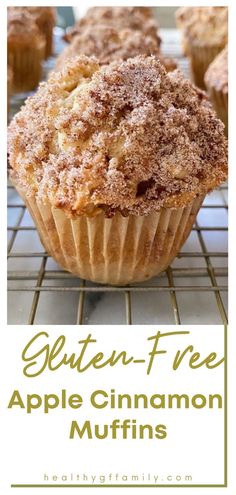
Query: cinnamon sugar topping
x,y
127,137
37,13
135,18
109,44
204,25
21,26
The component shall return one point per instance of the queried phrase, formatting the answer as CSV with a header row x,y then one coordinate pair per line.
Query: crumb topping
x,y
135,18
204,24
42,13
109,44
127,137
217,72
22,27
38,13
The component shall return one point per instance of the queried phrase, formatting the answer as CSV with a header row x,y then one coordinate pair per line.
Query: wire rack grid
x,y
193,290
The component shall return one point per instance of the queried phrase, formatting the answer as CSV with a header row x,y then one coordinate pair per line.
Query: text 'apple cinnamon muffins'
x,y
216,80
113,163
25,51
204,34
109,44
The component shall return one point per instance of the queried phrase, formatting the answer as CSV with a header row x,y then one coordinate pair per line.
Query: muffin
x,y
45,18
25,51
204,35
109,44
135,18
113,163
216,81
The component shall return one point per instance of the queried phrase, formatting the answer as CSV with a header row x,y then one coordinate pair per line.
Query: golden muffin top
x,y
38,13
22,28
110,44
135,18
204,25
127,137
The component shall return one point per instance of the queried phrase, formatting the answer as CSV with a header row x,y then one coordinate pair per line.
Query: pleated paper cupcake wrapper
x,y
200,59
219,101
117,250
27,66
49,42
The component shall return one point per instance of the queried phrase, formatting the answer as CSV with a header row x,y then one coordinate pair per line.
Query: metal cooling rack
x,y
193,290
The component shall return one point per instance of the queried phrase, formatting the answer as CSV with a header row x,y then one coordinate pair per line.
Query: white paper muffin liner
x,y
26,63
219,101
46,27
118,250
200,58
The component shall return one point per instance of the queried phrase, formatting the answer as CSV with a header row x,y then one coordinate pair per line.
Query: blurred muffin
x,y
25,51
216,80
135,18
109,44
204,35
45,18
113,163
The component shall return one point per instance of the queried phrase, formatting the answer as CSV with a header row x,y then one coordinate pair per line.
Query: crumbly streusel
x,y
204,24
38,13
127,137
21,27
135,18
109,44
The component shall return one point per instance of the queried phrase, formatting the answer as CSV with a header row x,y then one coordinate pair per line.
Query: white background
x,y
9,459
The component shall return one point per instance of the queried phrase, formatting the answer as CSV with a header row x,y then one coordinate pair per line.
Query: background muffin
x,y
45,18
25,51
216,80
135,18
204,35
109,44
114,163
